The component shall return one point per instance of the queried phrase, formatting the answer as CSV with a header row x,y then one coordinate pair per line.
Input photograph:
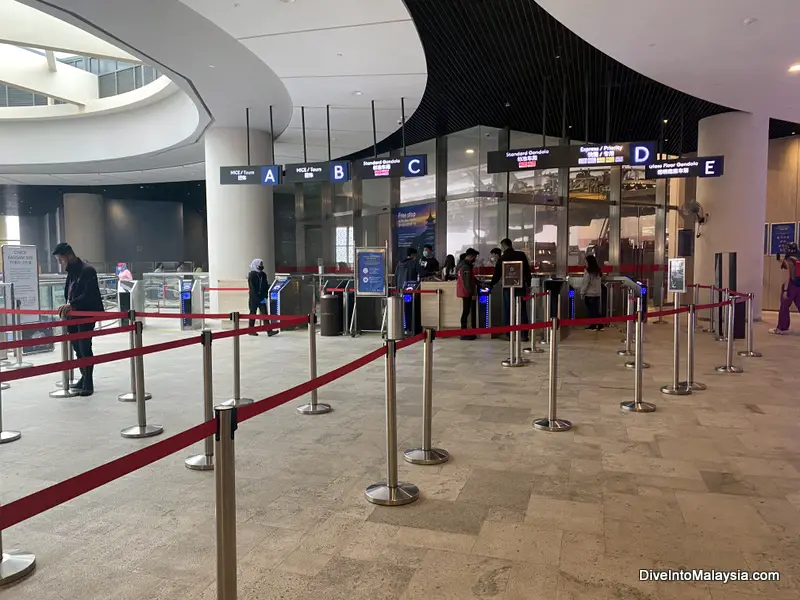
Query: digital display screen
x,y
581,155
382,168
709,166
250,175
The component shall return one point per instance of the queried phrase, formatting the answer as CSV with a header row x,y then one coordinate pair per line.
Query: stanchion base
x,y
681,390
62,393
533,350
543,343
9,436
200,462
720,339
314,409
4,385
142,432
15,366
625,353
660,322
237,402
434,456
15,565
750,354
632,365
639,407
554,425
727,369
382,494
521,362
60,385
131,397
695,386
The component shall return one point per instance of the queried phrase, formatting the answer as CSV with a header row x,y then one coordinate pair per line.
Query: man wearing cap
x,y
467,289
81,293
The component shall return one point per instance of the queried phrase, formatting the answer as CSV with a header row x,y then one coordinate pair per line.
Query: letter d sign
x,y
641,154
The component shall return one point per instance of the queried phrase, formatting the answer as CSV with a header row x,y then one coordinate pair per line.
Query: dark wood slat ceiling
x,y
491,61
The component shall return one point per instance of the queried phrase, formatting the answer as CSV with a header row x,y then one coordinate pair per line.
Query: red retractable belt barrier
x,y
668,313
410,341
194,316
334,290
532,296
707,306
44,324
98,315
19,510
70,337
221,335
218,289
596,321
291,319
418,292
449,333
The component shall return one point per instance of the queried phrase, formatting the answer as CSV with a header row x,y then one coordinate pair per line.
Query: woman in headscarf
x,y
258,286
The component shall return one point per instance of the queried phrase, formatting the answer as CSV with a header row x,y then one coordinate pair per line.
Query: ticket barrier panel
x,y
483,311
283,298
412,309
344,291
191,302
559,302
130,296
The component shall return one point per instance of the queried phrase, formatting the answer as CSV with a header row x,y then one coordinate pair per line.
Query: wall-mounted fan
x,y
693,211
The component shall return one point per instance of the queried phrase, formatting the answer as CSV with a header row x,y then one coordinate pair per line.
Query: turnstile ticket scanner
x,y
412,309
557,290
483,311
191,303
283,297
130,296
639,289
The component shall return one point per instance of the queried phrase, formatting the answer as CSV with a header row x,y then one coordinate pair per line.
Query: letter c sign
x,y
415,166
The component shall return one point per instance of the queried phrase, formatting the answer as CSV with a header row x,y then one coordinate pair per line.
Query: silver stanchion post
x,y
723,334
676,389
427,455
552,422
633,332
660,320
237,399
392,492
545,341
729,367
64,392
72,381
141,429
313,407
205,461
712,323
534,349
16,336
749,332
6,435
225,484
690,383
15,564
511,361
628,341
131,396
636,405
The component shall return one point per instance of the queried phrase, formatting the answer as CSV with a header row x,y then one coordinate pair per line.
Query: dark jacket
x,y
429,267
407,270
258,284
82,292
467,284
512,255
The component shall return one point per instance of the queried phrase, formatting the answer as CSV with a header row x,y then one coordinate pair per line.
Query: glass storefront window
x,y
466,163
635,188
472,222
417,189
588,231
533,229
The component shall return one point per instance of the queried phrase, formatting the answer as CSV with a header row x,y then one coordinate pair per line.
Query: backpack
x,y
793,263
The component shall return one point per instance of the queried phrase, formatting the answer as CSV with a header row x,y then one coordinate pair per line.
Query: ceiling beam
x,y
52,63
29,71
22,25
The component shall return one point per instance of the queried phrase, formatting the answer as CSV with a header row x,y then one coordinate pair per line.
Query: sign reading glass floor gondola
x,y
708,166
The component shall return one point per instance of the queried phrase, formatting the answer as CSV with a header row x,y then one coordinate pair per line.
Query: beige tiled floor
x,y
708,481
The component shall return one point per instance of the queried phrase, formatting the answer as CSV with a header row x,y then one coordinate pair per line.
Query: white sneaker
x,y
777,331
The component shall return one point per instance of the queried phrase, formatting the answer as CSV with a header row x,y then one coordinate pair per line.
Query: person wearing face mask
x,y
258,286
429,266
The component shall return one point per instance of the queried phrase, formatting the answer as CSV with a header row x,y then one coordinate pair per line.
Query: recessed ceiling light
x,y
358,93
666,121
212,66
795,68
288,1
749,20
470,151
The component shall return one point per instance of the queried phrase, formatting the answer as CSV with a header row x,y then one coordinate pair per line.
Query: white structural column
x,y
736,202
85,226
240,217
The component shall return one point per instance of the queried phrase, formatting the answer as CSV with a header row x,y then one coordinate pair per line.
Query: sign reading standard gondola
x,y
384,168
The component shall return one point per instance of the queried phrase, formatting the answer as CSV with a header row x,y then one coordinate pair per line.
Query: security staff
x,y
81,293
258,286
511,255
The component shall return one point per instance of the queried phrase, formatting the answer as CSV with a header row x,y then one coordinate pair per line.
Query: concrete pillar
x,y
736,202
85,227
240,217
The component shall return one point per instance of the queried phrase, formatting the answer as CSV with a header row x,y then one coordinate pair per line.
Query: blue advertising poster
x,y
415,226
371,280
780,235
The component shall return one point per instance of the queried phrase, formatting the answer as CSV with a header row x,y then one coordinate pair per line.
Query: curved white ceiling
x,y
732,52
230,56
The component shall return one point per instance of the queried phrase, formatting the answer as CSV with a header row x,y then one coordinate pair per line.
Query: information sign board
x,y
512,274
677,276
20,267
371,272
582,155
707,166
780,235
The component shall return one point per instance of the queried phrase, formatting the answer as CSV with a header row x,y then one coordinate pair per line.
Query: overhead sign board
x,y
512,274
371,277
676,283
708,166
582,155
384,168
319,172
250,175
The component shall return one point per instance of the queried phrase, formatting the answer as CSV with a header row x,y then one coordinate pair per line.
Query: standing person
x,y
429,266
467,289
449,269
407,270
511,255
81,293
790,290
159,268
592,290
257,290
123,273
